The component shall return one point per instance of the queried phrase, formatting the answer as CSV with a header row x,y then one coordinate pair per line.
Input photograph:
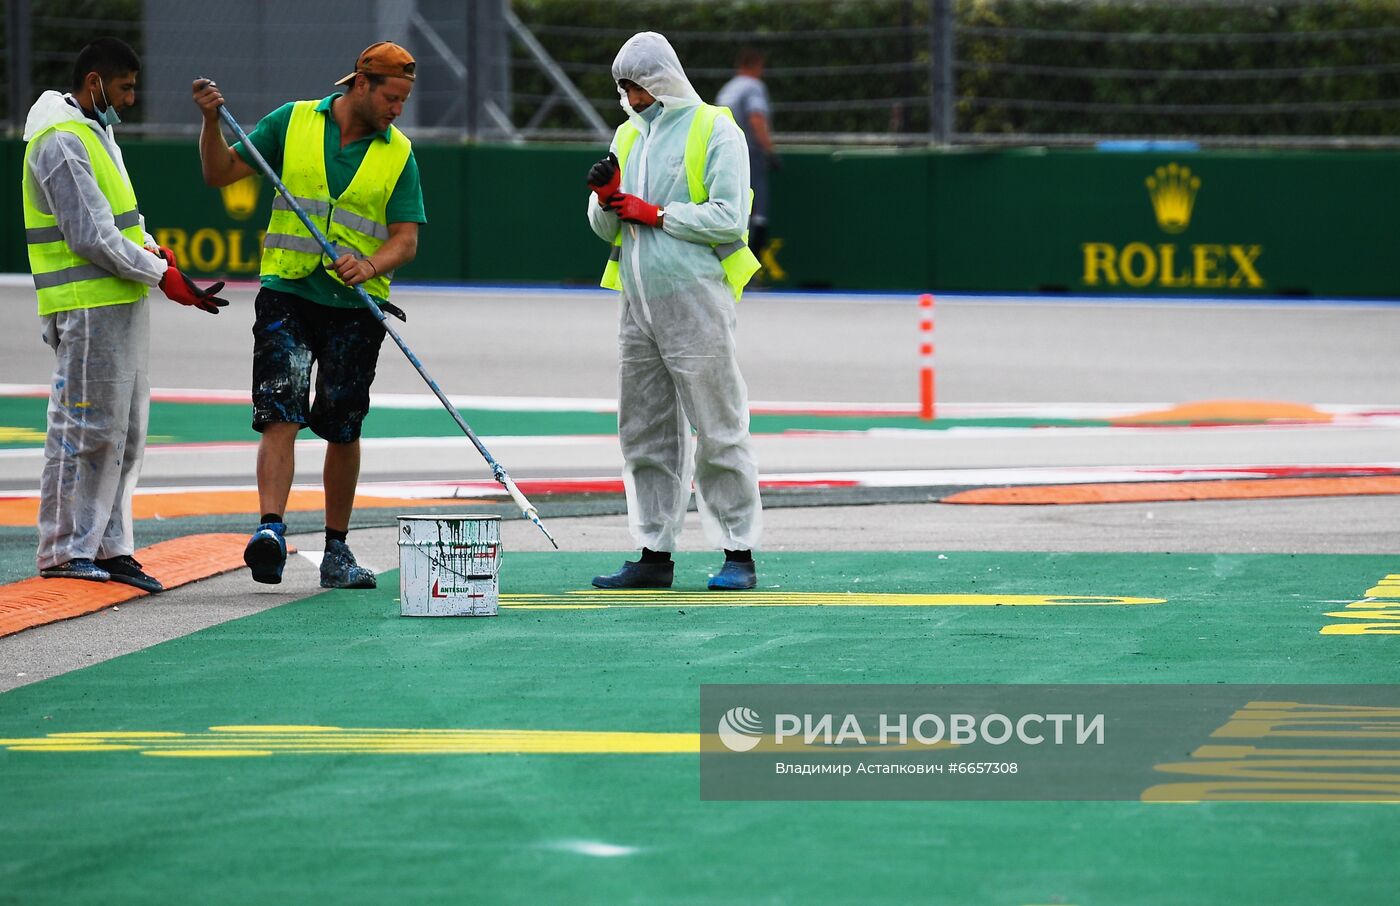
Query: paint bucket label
x,y
449,566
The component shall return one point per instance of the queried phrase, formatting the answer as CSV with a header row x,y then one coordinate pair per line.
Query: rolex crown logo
x,y
1173,192
241,198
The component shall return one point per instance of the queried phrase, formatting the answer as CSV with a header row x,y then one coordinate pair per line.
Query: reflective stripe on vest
x,y
75,274
738,261
311,206
306,245
63,279
359,224
40,235
355,223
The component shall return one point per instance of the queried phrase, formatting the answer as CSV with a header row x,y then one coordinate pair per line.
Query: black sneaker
x,y
77,568
128,571
636,574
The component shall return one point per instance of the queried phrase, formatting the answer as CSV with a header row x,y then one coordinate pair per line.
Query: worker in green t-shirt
x,y
353,172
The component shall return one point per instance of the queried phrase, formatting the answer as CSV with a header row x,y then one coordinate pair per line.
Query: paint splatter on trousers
x,y
290,334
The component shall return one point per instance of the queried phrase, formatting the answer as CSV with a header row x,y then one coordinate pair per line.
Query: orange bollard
x,y
926,366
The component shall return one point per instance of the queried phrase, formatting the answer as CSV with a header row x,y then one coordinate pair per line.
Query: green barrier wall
x,y
1012,221
1084,221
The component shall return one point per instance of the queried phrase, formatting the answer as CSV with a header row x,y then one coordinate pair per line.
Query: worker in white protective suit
x,y
93,264
673,197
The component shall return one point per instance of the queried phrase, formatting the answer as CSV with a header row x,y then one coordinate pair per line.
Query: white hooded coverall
x,y
676,350
100,394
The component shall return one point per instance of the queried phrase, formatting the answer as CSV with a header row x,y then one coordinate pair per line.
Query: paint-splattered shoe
x,y
77,568
266,553
339,569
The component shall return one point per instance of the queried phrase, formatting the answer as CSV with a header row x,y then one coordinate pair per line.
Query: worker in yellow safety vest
x,y
353,173
672,199
93,264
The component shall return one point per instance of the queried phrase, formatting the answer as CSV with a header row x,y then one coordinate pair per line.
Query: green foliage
x,y
59,30
1011,82
1211,38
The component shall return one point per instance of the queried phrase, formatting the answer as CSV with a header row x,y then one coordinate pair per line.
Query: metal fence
x,y
1308,73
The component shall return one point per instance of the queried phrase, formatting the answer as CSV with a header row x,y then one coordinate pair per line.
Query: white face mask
x,y
108,117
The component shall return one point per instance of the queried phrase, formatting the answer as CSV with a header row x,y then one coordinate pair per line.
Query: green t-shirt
x,y
405,203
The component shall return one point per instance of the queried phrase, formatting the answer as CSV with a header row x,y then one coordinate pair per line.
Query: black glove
x,y
604,177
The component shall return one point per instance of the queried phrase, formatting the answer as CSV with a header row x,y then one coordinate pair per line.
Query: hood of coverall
x,y
649,60
51,108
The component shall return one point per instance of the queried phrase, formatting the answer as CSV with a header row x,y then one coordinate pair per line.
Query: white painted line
x,y
315,558
595,848
446,490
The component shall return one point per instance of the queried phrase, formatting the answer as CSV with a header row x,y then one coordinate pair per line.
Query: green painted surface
x,y
22,421
122,827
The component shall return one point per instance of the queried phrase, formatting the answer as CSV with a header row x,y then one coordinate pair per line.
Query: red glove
x,y
168,255
179,288
604,177
633,209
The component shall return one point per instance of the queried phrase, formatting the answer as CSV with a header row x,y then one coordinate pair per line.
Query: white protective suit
x,y
100,395
676,351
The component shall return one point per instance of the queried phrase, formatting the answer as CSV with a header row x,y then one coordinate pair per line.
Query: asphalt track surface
x,y
811,349
822,349
510,342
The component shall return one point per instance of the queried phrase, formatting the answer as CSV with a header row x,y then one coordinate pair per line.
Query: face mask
x,y
107,117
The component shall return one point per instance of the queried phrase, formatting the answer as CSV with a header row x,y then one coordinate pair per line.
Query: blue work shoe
x,y
734,576
77,568
266,553
127,570
339,569
635,574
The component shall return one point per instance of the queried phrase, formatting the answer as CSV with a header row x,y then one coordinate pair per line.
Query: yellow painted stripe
x,y
255,741
236,742
590,600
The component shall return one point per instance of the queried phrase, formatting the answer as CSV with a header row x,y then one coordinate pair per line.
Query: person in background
x,y
747,97
93,264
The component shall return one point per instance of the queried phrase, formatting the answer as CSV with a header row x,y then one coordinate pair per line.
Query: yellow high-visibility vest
x,y
356,223
738,261
63,279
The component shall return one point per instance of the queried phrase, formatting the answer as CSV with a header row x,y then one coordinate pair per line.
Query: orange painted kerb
x,y
34,602
24,511
1227,412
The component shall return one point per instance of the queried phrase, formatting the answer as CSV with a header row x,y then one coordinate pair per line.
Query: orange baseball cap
x,y
384,58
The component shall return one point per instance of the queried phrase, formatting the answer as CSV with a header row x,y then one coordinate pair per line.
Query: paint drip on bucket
x,y
449,566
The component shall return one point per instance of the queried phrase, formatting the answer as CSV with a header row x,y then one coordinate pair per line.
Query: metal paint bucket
x,y
449,566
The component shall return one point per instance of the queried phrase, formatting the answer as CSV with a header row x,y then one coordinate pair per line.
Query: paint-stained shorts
x,y
289,334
